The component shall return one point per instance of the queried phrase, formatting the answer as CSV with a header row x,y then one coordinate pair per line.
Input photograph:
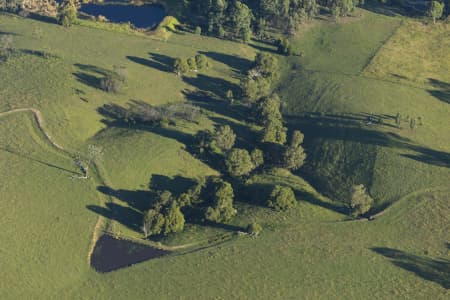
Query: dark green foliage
x,y
239,163
67,13
294,157
192,64
174,219
254,229
224,138
201,61
360,202
257,157
269,116
180,66
284,46
153,223
222,209
281,198
240,21
260,78
164,217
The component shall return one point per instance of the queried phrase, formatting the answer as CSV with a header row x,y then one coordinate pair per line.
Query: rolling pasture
x,y
51,220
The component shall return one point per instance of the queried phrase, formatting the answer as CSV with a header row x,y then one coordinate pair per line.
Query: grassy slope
x,y
344,94
305,253
46,230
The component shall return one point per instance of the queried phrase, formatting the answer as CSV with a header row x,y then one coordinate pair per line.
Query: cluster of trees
x,y
223,18
164,217
11,5
260,78
182,65
242,19
212,196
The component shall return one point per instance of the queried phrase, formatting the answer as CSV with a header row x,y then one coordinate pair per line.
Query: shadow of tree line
x,y
351,128
431,269
441,90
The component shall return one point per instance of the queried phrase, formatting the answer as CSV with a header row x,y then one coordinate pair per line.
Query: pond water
x,y
112,254
143,16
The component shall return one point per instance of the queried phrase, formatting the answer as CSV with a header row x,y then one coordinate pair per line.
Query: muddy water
x,y
112,254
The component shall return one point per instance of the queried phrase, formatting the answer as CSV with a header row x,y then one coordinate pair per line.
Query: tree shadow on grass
x,y
159,62
442,91
176,185
348,129
21,155
126,216
211,102
238,64
431,269
90,75
140,200
42,18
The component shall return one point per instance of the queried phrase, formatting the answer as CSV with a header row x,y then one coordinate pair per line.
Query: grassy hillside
x,y
332,105
311,252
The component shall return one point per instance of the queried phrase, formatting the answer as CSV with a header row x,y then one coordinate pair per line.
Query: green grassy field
x,y
311,252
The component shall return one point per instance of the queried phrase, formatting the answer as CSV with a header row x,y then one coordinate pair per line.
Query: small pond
x,y
143,16
112,254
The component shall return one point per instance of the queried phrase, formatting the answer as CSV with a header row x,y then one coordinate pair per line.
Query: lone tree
x,y
93,154
224,137
360,201
282,198
222,209
113,81
435,10
239,163
254,229
294,157
67,13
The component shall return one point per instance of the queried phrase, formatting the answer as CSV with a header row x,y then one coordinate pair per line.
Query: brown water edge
x,y
112,254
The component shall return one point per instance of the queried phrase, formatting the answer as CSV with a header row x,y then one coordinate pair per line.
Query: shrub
x,y
254,228
198,30
281,198
361,201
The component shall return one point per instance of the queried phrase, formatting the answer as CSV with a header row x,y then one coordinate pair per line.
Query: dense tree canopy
x,y
222,209
239,162
282,198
